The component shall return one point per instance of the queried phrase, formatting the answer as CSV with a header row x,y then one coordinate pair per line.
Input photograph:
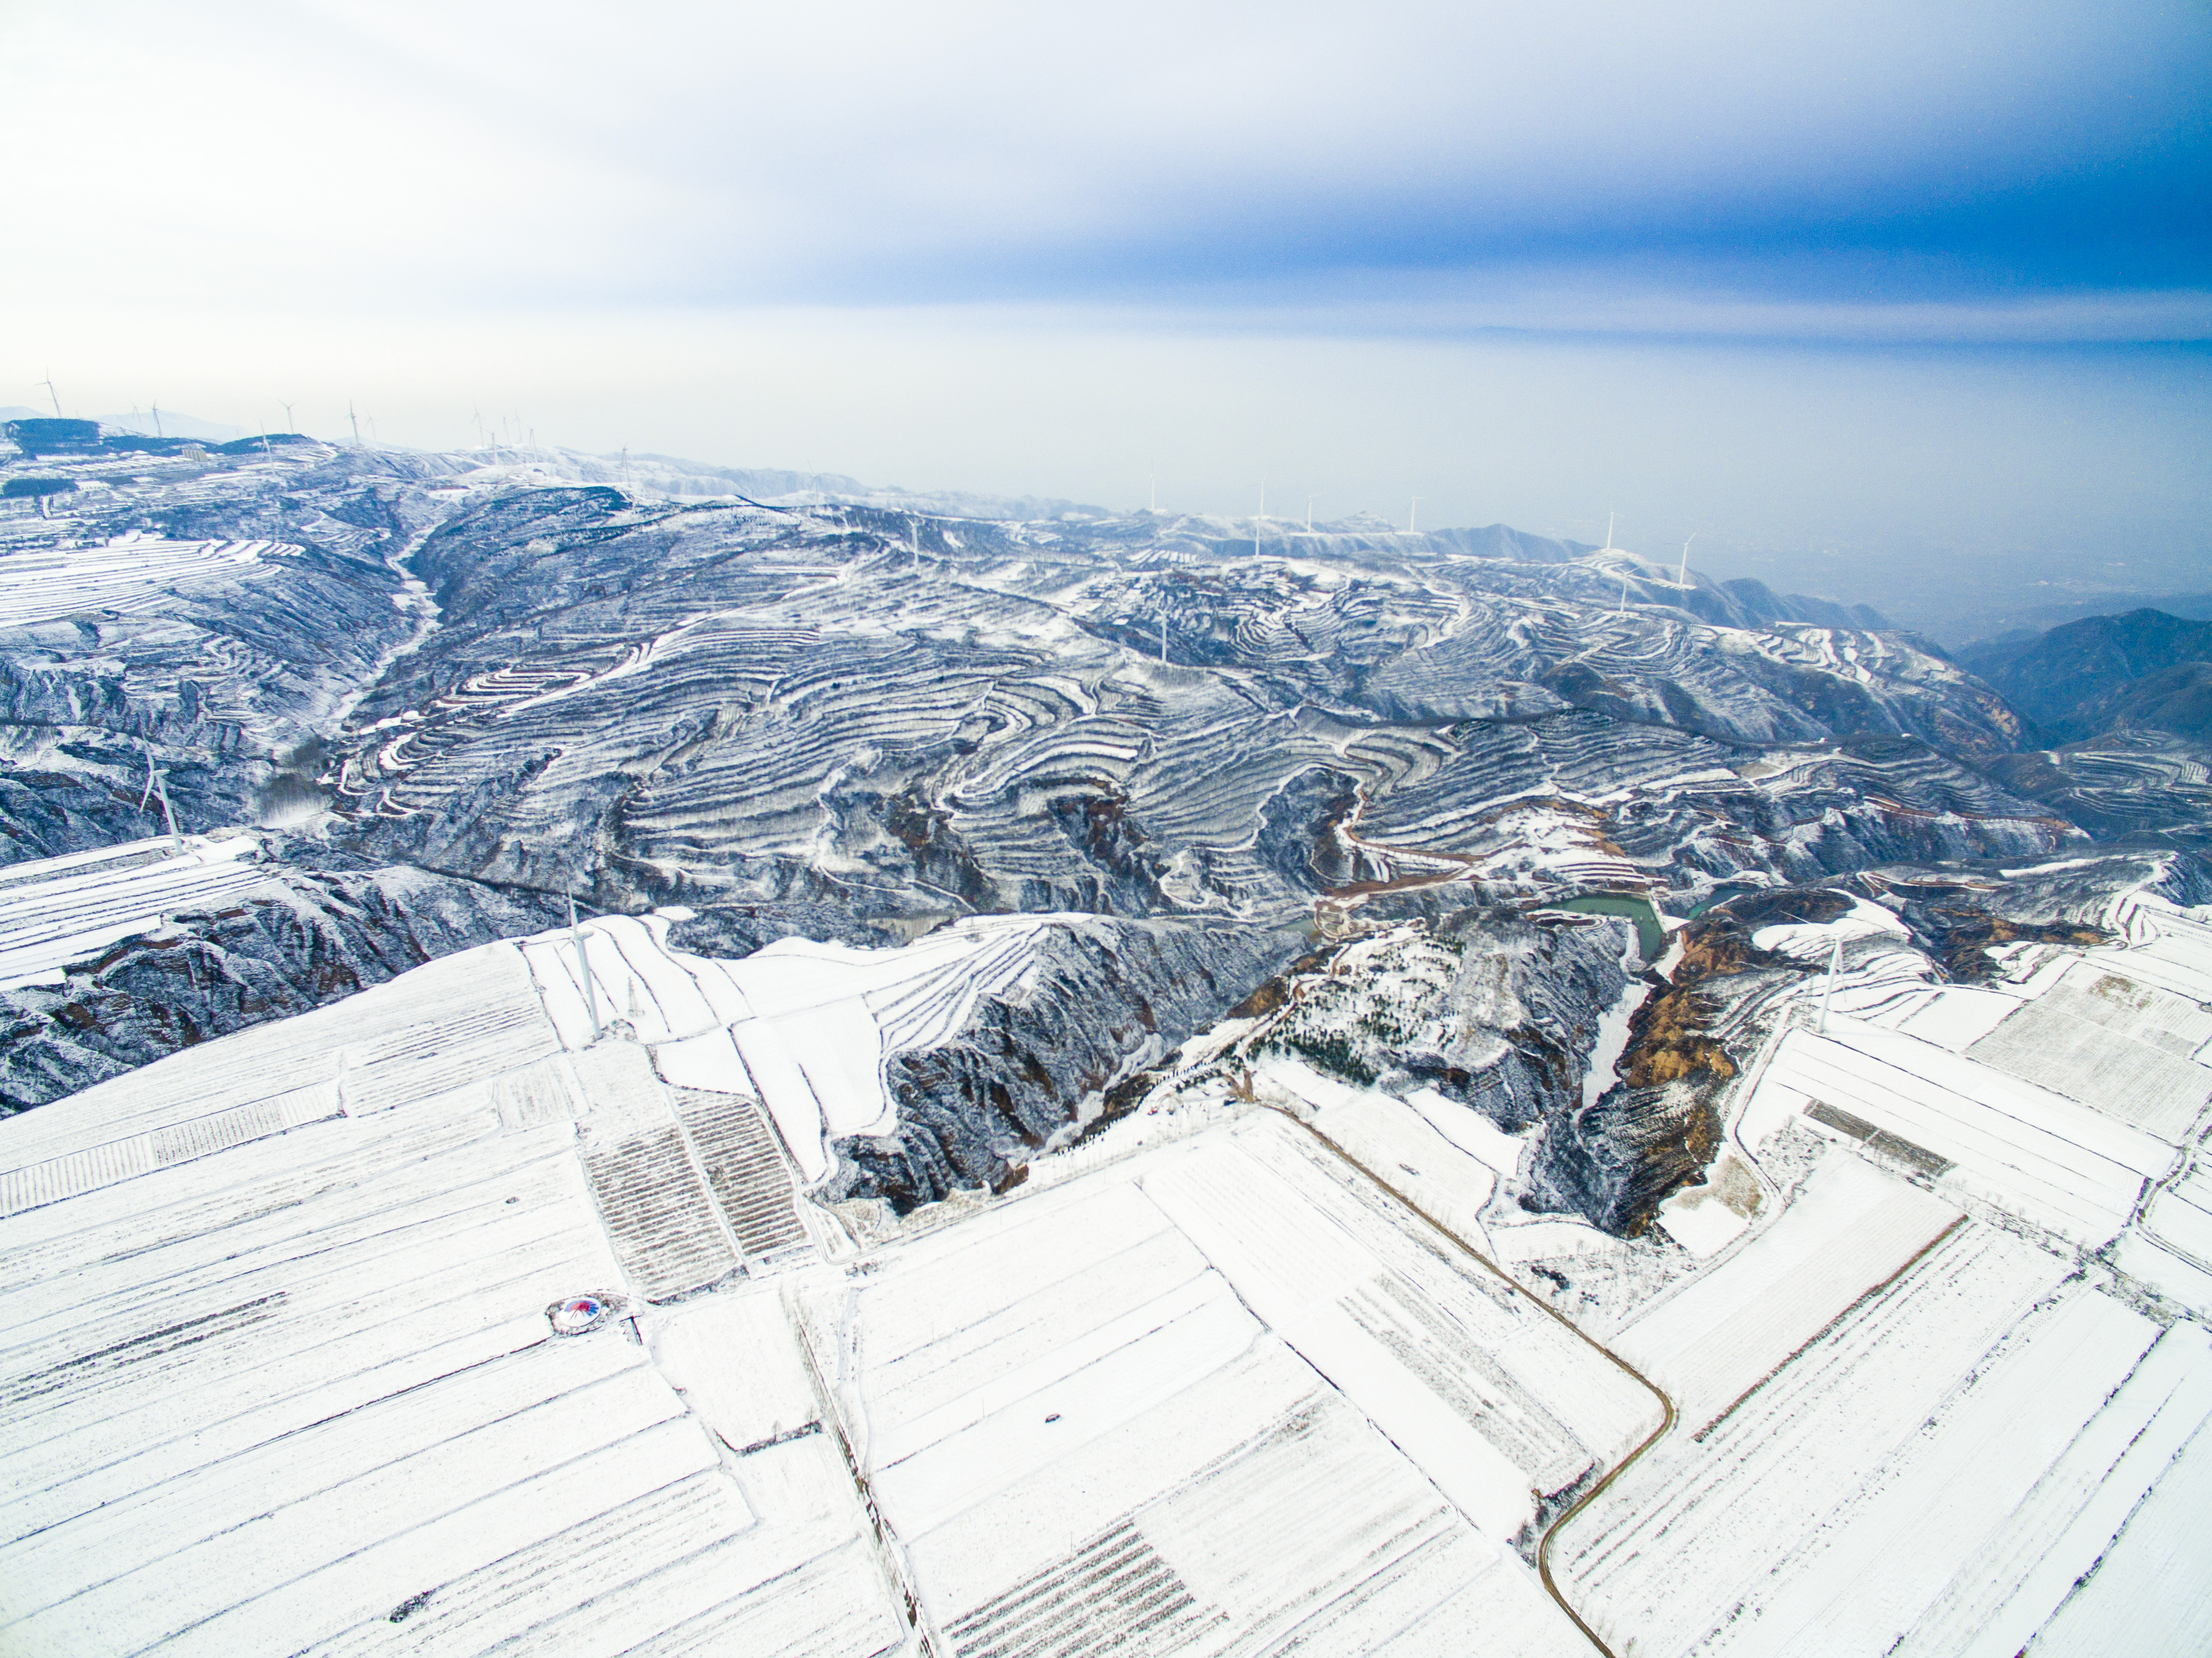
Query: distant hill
x,y
171,424
2103,672
1764,606
2019,627
2177,699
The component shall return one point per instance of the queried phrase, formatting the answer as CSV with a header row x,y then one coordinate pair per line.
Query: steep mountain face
x,y
1107,999
464,692
2075,681
1496,1013
295,941
2177,699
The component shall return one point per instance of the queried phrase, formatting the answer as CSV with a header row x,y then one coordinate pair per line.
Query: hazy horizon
x,y
1903,308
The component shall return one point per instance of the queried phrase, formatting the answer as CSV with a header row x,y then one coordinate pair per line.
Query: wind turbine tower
x,y
49,384
583,968
356,419
156,784
1682,576
169,811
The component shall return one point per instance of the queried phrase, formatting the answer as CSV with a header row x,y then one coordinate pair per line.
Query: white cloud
x,y
402,152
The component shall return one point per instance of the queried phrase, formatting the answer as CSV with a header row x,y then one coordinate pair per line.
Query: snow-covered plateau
x,y
707,1062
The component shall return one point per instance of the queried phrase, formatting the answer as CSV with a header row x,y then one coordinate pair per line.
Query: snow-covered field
x,y
313,1263
1231,1378
1954,1449
807,1025
284,1365
1954,1396
56,911
132,572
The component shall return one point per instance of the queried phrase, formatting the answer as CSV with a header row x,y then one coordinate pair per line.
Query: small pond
x,y
1651,936
1723,892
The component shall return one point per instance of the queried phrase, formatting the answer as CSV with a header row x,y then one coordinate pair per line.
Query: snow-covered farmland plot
x,y
1226,1396
442,1027
2110,1042
804,1027
1958,1439
1904,1430
284,1365
1720,1334
56,911
2066,1167
131,573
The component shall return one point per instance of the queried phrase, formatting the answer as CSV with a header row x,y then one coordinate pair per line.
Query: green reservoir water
x,y
1650,937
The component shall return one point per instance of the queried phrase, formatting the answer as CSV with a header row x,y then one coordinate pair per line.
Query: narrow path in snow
x,y
1666,1405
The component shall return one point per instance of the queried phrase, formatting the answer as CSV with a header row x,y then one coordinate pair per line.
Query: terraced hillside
x,y
743,708
1075,1034
847,716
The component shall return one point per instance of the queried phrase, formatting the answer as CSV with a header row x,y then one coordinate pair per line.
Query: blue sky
x,y
1061,249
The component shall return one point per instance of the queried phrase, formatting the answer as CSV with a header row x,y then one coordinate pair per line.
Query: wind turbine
x,y
1682,576
583,968
157,420
1608,546
1309,502
156,784
49,384
356,419
290,425
1413,516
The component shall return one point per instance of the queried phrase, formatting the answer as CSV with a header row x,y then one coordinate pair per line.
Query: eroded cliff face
x,y
296,941
1503,1014
1104,999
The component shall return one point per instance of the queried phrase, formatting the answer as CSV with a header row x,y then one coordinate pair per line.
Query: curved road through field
x,y
1544,1548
